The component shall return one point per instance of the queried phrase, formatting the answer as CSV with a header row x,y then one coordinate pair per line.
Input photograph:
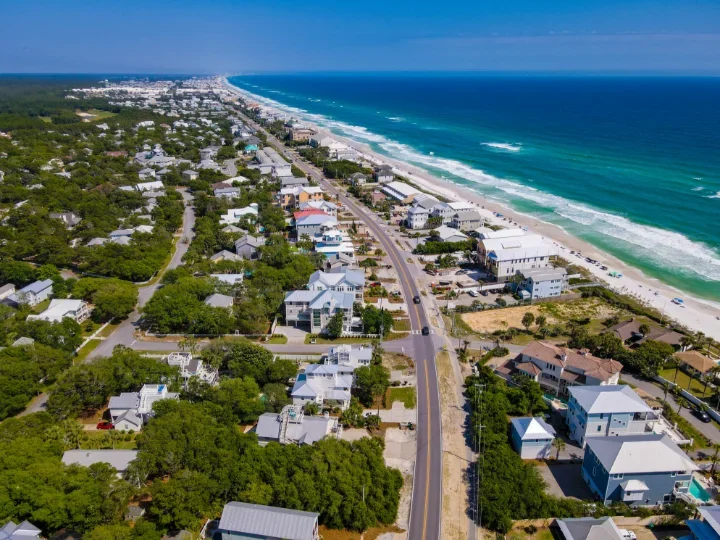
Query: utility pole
x,y
480,463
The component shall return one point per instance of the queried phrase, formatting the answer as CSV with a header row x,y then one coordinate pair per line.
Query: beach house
x,y
466,220
313,310
247,246
234,215
531,437
706,526
132,410
293,197
192,367
600,411
383,174
313,224
505,257
446,211
400,191
24,531
244,521
293,426
417,217
586,528
642,470
448,234
558,368
544,282
59,309
32,294
342,280
323,384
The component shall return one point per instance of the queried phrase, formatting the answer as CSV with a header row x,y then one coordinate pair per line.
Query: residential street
x,y
123,334
710,430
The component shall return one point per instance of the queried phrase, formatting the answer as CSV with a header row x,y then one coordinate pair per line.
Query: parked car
x,y
425,331
702,415
473,293
416,299
484,293
105,425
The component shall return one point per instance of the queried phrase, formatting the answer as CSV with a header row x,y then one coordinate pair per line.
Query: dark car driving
x,y
702,415
425,331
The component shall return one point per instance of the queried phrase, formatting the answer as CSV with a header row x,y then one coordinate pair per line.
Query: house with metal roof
x,y
131,410
59,309
586,529
293,426
241,521
603,411
707,527
219,300
343,280
247,246
544,282
314,309
323,384
558,368
443,233
192,367
400,191
644,470
466,220
313,224
505,257
32,294
24,531
417,217
531,437
117,459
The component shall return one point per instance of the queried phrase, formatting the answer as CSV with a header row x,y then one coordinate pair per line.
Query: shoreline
x,y
695,314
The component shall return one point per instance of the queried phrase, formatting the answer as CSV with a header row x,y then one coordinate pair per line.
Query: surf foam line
x,y
666,249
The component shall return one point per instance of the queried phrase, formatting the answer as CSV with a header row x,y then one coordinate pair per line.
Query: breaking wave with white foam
x,y
667,249
503,146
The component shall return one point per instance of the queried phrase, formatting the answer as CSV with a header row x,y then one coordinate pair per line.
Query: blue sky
x,y
183,36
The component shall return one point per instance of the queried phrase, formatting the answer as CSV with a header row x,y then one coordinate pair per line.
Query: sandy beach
x,y
695,314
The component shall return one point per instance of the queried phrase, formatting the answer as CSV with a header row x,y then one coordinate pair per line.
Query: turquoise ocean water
x,y
630,165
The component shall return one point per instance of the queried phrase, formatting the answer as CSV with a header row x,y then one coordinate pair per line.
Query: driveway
x,y
398,413
564,480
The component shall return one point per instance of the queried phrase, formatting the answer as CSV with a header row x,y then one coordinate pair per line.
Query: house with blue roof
x,y
707,527
531,437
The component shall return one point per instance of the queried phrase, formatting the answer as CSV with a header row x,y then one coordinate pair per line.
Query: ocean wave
x,y
667,249
716,196
395,118
698,188
503,146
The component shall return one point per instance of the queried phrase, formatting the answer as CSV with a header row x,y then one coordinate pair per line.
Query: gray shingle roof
x,y
268,521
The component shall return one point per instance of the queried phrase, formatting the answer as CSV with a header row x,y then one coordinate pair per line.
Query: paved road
x,y
426,506
709,430
123,334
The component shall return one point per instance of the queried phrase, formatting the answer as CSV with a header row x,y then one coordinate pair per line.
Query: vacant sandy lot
x,y
555,312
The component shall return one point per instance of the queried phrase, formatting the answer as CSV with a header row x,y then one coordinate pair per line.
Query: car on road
x,y
702,415
105,425
425,331
416,299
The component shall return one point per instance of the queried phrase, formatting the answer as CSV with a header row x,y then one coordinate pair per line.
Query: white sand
x,y
695,314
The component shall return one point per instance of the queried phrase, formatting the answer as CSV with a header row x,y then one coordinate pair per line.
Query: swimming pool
x,y
699,492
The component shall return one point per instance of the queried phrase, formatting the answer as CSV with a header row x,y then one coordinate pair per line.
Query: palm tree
x,y
73,433
559,445
686,342
541,321
666,387
682,402
715,457
710,376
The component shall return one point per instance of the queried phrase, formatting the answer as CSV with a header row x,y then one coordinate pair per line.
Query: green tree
x,y
527,321
371,383
276,397
335,325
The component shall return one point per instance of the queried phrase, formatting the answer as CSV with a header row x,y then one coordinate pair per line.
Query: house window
x,y
617,476
673,474
599,428
602,415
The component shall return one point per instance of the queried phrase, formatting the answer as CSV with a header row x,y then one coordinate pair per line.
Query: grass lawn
x,y
404,394
42,306
89,347
392,336
683,380
99,439
89,328
278,339
46,119
109,329
401,325
97,115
